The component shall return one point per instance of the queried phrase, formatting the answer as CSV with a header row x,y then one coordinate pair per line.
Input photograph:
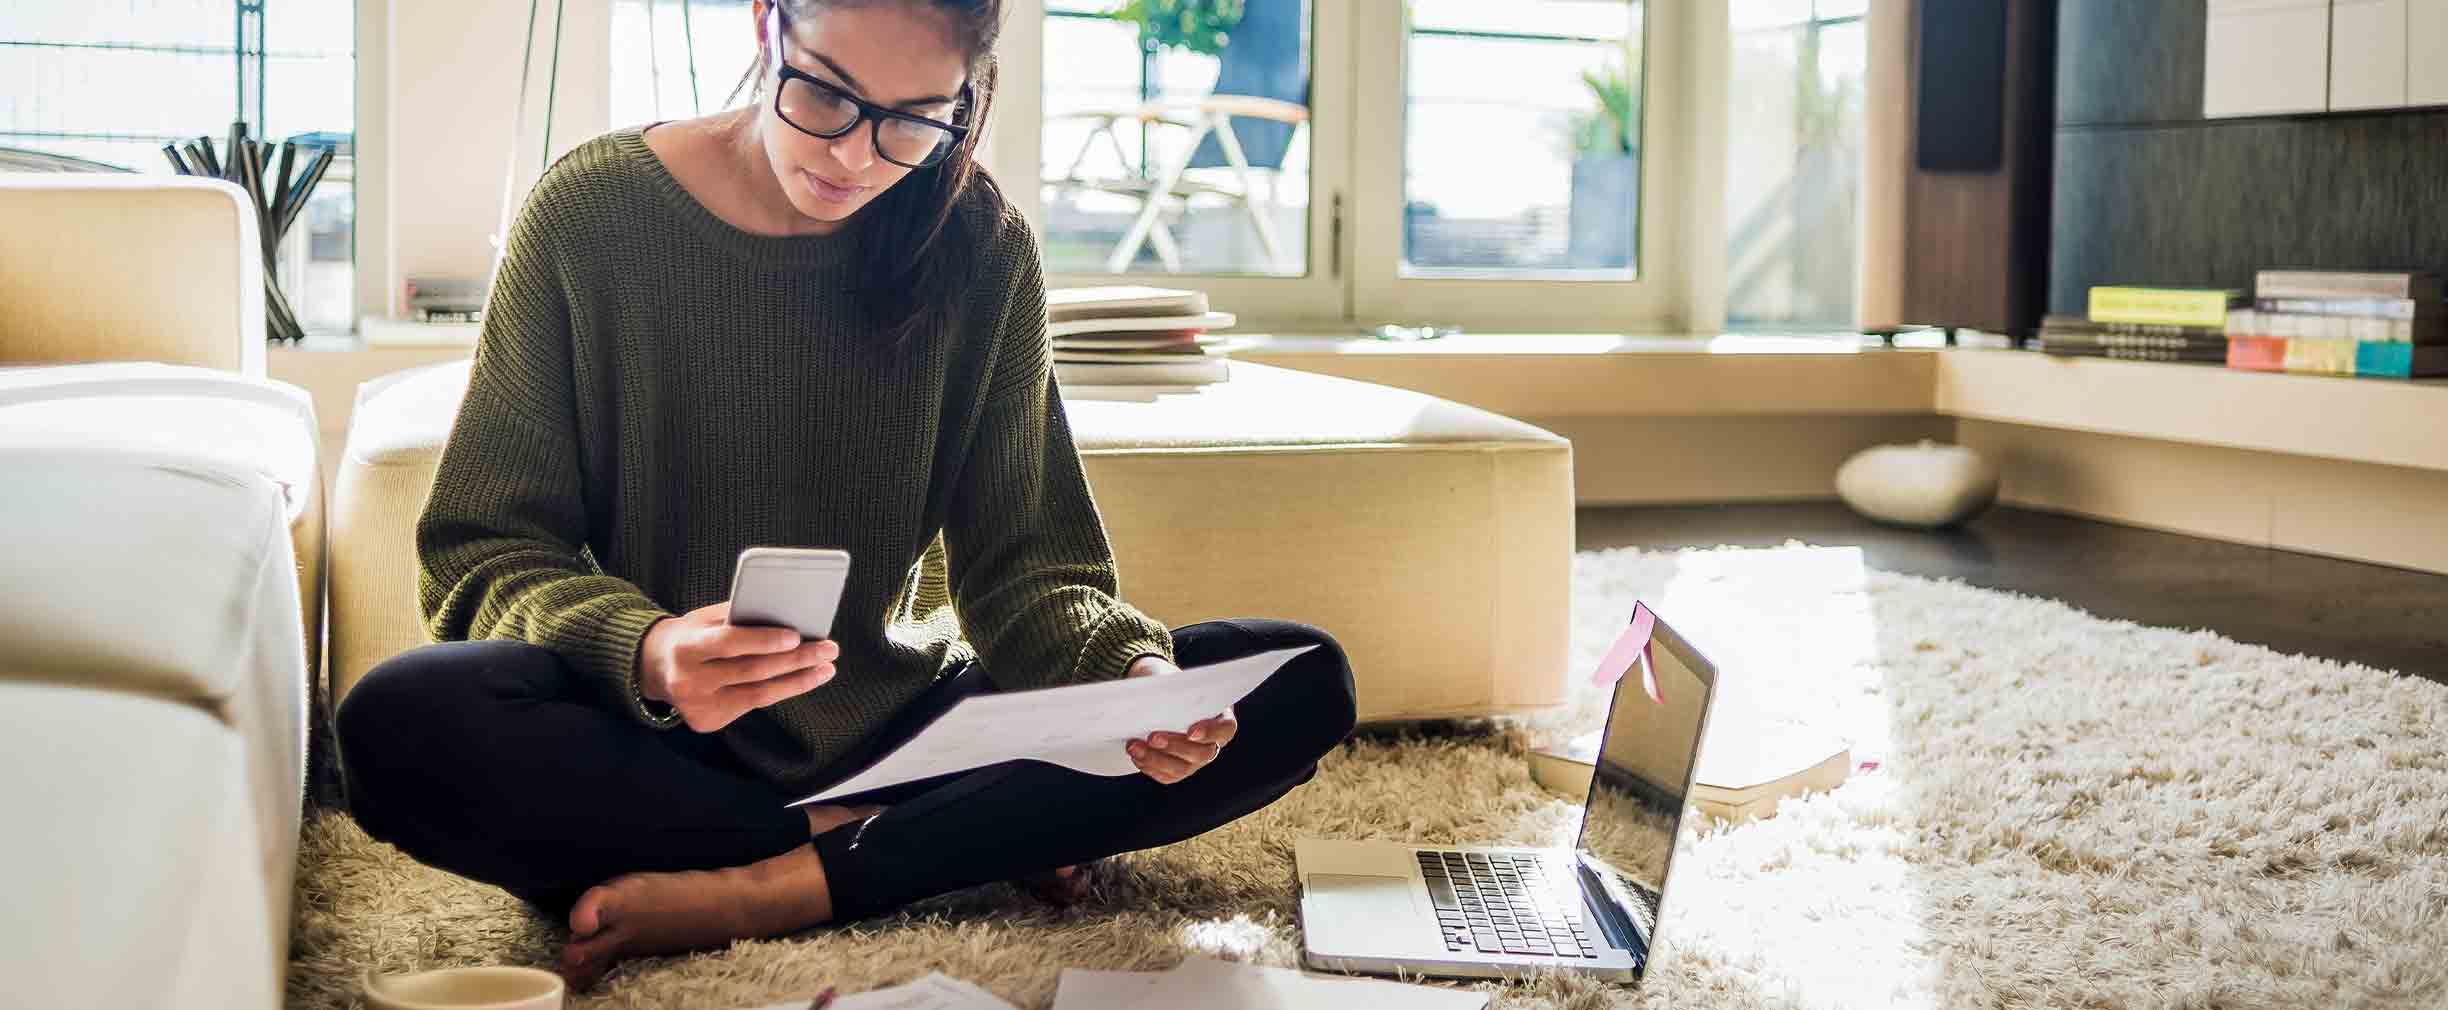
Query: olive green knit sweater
x,y
655,389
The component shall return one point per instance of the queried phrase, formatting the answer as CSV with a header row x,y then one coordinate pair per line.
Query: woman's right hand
x,y
712,671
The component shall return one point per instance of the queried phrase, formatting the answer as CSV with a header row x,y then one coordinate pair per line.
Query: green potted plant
x,y
1200,26
1604,146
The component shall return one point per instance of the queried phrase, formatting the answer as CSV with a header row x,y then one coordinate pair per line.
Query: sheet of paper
x,y
1082,728
936,991
1090,989
1208,984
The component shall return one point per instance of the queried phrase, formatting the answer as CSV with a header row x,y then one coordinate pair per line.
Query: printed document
x,y
1083,727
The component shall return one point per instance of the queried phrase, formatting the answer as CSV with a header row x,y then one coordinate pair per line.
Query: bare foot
x,y
1065,886
662,913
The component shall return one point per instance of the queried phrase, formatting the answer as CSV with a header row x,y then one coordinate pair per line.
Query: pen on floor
x,y
823,999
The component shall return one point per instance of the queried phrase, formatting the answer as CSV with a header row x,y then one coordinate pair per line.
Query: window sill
x,y
1507,345
1535,376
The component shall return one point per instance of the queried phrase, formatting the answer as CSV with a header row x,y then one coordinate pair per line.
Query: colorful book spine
x,y
2163,306
2319,357
2257,354
2365,358
2400,361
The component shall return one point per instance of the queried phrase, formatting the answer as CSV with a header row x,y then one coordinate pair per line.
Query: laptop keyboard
x,y
1503,903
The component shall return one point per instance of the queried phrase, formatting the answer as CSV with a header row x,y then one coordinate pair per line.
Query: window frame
x,y
1652,300
1013,150
1355,219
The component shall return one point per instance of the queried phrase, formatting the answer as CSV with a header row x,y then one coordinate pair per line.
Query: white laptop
x,y
1494,912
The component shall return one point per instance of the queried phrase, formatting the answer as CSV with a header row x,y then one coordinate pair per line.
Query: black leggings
x,y
485,759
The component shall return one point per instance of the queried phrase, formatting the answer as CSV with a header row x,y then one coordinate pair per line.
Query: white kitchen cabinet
x,y
2367,54
2427,52
2265,57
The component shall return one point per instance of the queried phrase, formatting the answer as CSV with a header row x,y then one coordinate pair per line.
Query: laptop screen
x,y
1634,814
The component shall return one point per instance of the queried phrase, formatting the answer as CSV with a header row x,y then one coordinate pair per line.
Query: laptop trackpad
x,y
1353,914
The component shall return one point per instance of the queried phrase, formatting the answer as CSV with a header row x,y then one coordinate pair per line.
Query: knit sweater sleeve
x,y
501,543
1032,573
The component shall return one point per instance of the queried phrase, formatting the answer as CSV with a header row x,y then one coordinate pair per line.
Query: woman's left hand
x,y
1172,757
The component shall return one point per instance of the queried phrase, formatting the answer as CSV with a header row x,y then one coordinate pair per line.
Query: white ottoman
x,y
1433,540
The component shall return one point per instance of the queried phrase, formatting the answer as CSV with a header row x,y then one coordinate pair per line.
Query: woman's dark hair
x,y
918,252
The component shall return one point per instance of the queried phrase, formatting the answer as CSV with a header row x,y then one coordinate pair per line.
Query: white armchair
x,y
162,521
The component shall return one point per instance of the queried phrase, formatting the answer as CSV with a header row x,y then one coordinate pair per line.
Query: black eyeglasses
x,y
823,110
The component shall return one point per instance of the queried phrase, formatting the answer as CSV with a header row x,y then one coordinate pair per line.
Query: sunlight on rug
x,y
2065,812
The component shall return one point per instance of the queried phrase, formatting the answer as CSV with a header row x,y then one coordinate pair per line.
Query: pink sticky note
x,y
1632,647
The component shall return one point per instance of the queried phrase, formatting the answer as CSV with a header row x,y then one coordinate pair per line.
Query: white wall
x,y
438,86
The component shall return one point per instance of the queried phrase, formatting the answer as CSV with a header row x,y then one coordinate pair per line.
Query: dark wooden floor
x,y
2295,603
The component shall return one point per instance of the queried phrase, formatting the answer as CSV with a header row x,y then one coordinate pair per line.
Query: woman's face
x,y
900,55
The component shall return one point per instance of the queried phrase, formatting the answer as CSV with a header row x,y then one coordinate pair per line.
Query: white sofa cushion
x,y
156,476
135,875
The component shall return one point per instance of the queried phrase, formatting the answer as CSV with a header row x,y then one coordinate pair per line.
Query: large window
x,y
1176,136
88,87
1307,163
1522,138
679,59
1793,163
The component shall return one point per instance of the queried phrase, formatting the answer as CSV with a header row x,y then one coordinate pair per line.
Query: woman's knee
x,y
396,705
1317,683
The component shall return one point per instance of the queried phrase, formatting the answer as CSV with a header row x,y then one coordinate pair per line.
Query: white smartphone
x,y
790,587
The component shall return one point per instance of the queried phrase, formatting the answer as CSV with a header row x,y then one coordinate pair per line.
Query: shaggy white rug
x,y
2066,812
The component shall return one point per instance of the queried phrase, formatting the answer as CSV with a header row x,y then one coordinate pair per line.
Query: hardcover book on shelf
x,y
2329,284
1122,301
2256,354
2204,355
2082,325
1190,353
1136,337
1195,372
2373,308
1091,326
2206,307
2291,325
2073,340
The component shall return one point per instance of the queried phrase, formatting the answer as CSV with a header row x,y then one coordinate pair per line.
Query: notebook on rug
x,y
1201,983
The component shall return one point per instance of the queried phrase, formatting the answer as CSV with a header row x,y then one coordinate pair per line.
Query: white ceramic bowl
x,y
483,988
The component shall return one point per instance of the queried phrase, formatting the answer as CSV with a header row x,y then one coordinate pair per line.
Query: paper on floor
x,y
937,991
1090,989
1208,984
1083,727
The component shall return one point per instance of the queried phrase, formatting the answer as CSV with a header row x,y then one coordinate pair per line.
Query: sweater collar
x,y
793,251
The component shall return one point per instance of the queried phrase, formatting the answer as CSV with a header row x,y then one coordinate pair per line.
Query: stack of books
x,y
2388,325
2145,324
1135,336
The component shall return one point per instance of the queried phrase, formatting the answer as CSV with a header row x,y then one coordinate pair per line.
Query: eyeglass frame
x,y
869,113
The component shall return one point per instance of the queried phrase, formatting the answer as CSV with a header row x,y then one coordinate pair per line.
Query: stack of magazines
x,y
1135,336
